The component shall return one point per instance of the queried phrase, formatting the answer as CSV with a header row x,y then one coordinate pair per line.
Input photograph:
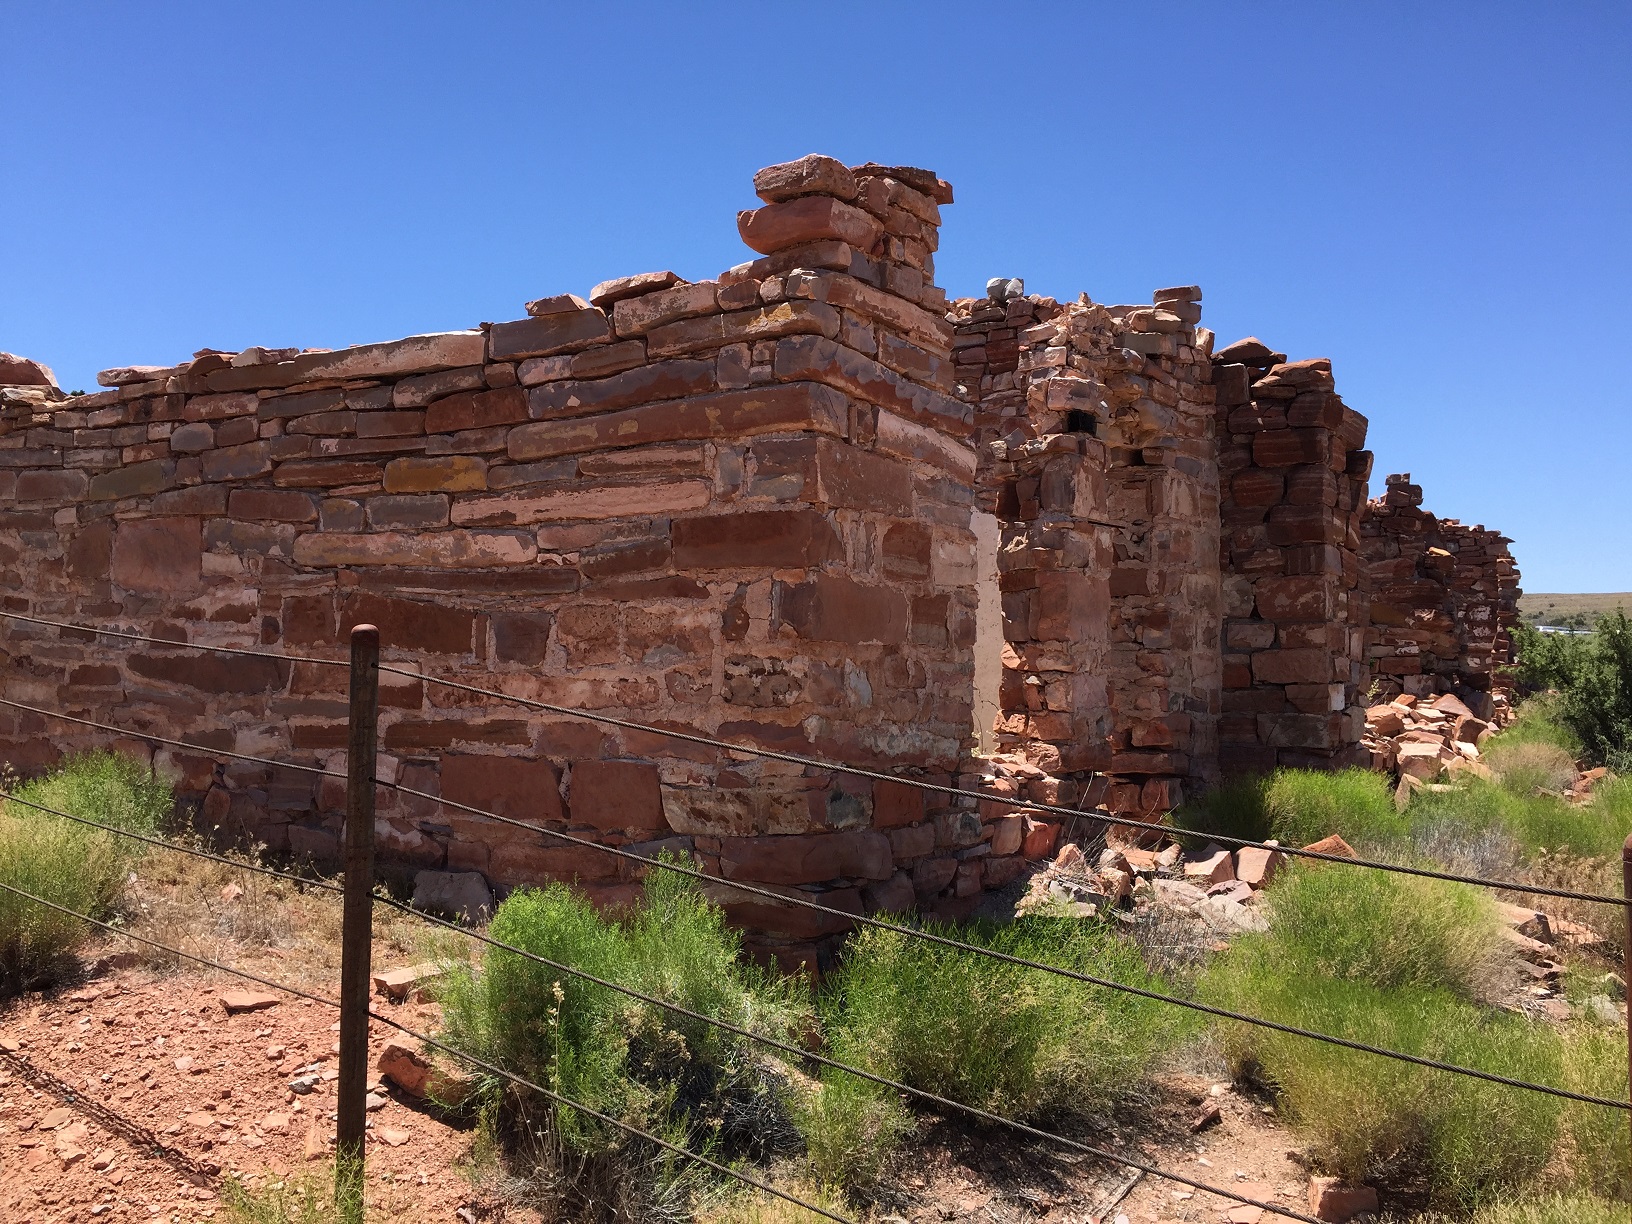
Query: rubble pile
x,y
1220,887
1426,740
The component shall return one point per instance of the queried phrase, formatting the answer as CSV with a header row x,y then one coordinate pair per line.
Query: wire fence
x,y
365,667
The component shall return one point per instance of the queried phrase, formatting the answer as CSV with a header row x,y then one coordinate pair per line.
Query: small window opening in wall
x,y
1081,421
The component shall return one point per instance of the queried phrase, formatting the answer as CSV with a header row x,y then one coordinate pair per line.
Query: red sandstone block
x,y
407,511
1040,839
609,292
912,842
408,624
273,505
931,875
158,556
1302,598
807,219
1285,447
858,854
1311,485
833,608
1301,730
390,424
896,804
421,389
812,174
771,539
430,549
1308,666
51,486
519,861
663,380
743,326
638,315
135,480
617,795
213,673
556,333
326,473
1294,525
1257,487
728,414
477,410
447,473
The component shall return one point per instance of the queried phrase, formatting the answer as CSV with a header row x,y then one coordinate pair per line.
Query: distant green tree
x,y
1593,677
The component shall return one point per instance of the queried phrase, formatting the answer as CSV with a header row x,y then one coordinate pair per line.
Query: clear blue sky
x,y
1434,196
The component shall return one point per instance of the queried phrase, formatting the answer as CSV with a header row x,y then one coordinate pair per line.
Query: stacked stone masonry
x,y
1445,599
744,507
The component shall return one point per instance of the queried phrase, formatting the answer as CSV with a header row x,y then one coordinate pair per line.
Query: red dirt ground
x,y
133,1098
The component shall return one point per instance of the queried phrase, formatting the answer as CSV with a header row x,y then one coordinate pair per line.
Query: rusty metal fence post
x,y
1626,957
357,922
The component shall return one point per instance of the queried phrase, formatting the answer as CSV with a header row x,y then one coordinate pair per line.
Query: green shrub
x,y
1234,808
851,1127
1535,822
1296,807
1555,1209
1537,721
1378,928
1016,1041
1305,805
1391,961
71,864
1524,767
1593,678
634,1061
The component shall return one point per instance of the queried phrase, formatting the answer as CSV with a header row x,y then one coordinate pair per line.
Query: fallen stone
x,y
103,1159
812,174
317,1144
1257,867
1212,866
55,1118
1386,719
1330,1199
561,303
236,1001
374,1102
609,292
396,983
1526,921
463,895
1210,1115
391,1136
303,1084
1333,845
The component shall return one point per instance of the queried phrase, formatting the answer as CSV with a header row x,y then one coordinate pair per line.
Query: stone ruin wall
x,y
1094,425
1445,600
739,507
1294,472
742,507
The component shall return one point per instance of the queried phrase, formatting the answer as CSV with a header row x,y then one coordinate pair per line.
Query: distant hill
x,y
1549,609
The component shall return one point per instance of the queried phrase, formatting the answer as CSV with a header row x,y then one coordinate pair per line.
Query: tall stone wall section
x,y
739,506
1094,427
1294,473
1444,602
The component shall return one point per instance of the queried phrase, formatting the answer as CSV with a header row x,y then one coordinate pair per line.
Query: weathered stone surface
x,y
414,355
623,796
858,854
556,333
830,608
448,473
511,786
812,174
158,556
18,371
807,219
606,501
616,290
455,549
771,539
757,410
561,303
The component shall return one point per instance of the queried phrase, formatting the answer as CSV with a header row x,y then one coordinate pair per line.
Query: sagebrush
x,y
71,864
